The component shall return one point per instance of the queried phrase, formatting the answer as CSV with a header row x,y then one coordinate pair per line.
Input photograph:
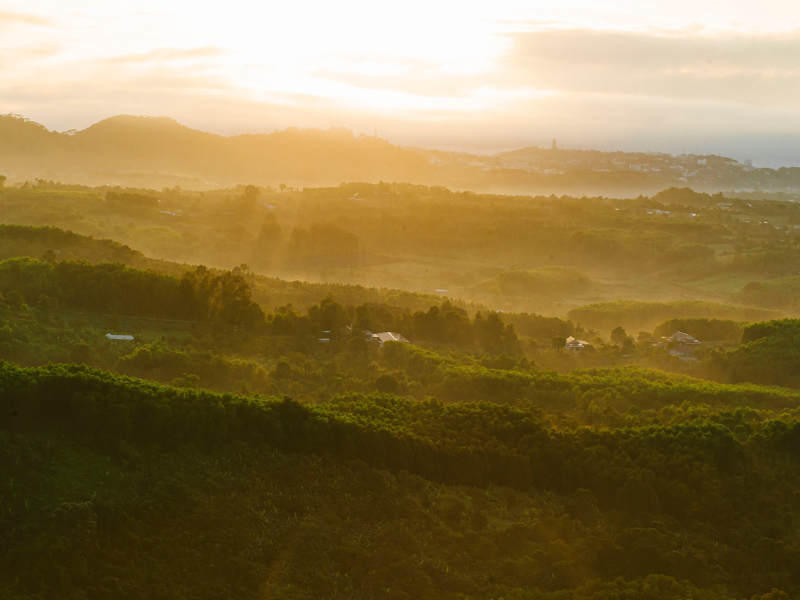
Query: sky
x,y
702,76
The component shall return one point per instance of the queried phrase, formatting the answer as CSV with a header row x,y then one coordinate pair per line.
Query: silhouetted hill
x,y
159,146
145,138
19,135
159,152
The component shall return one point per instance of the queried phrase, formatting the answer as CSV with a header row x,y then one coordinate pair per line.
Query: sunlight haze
x,y
708,77
421,300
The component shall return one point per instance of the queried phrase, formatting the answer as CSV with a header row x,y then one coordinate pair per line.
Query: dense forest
x,y
468,499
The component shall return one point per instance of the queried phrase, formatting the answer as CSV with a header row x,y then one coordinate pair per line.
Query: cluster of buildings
x,y
712,171
680,344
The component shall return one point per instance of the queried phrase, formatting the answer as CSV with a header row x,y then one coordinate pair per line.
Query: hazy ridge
x,y
158,151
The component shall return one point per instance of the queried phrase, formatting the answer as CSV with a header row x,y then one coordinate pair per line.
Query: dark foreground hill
x,y
118,488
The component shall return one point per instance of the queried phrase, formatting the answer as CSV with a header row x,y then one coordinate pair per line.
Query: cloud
x,y
649,89
161,55
733,67
10,18
45,50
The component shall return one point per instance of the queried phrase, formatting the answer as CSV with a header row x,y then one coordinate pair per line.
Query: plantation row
x,y
473,444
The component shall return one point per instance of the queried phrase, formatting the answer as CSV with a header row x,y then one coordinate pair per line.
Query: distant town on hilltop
x,y
700,172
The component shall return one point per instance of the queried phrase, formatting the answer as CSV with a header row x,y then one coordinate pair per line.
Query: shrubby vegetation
x,y
659,499
54,245
646,315
771,262
782,293
228,452
427,238
113,288
634,249
705,330
58,244
538,326
769,354
546,281
131,201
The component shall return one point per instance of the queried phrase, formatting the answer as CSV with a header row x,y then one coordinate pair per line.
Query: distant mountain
x,y
126,147
159,152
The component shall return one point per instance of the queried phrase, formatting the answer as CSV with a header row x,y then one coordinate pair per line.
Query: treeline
x,y
539,326
777,262
705,330
189,367
113,288
274,292
131,201
769,355
611,397
546,281
443,324
689,471
475,360
506,446
52,244
782,293
323,245
634,248
225,297
58,244
450,323
634,314
687,196
625,389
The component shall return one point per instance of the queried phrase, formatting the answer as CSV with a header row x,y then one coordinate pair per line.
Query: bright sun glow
x,y
463,74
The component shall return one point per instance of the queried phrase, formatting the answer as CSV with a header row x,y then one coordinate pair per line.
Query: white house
x,y
684,339
386,336
685,347
111,336
575,345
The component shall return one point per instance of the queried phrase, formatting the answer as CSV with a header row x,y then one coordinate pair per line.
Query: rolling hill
x,y
160,152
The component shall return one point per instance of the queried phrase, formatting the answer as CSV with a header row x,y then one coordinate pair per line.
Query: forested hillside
x,y
643,507
150,151
437,472
769,354
514,253
247,437
54,245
